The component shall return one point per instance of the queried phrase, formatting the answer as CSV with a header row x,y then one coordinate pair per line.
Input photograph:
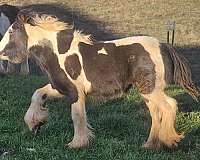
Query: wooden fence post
x,y
170,26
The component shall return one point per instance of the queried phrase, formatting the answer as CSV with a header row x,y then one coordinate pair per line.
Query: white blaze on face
x,y
4,24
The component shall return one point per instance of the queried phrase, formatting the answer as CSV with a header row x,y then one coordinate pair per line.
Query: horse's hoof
x,y
36,129
152,146
77,145
2,74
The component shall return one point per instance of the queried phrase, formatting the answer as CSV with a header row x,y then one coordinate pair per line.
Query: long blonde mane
x,y
52,23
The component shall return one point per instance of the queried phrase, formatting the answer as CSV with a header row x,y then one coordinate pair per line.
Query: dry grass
x,y
129,17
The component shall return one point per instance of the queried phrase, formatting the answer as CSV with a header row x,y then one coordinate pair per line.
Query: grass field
x,y
121,126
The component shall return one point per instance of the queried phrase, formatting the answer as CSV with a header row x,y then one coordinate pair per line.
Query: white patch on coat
x,y
102,51
37,34
78,37
4,23
81,83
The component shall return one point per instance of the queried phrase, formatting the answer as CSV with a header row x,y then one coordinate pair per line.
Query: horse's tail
x,y
182,72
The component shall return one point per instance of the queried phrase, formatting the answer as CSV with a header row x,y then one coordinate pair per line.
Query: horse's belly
x,y
107,88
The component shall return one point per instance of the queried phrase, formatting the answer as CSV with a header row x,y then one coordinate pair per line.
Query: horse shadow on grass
x,y
73,17
187,106
192,54
76,18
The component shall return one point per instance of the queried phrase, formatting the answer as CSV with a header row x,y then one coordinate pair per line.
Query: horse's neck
x,y
41,37
60,41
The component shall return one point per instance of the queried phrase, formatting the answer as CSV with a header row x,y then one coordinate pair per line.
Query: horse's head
x,y
33,29
13,46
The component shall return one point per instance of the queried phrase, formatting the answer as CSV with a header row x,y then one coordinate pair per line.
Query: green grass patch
x,y
121,126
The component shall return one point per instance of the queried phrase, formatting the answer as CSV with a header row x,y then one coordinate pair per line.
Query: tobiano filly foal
x,y
77,66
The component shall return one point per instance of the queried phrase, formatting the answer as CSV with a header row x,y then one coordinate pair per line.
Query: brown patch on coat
x,y
101,70
141,67
48,61
113,73
64,39
73,66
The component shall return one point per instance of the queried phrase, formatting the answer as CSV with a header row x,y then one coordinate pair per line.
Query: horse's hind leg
x,y
163,112
2,69
153,140
24,67
168,134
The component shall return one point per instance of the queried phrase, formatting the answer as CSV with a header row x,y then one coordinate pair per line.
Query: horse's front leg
x,y
82,132
11,68
2,68
37,114
24,67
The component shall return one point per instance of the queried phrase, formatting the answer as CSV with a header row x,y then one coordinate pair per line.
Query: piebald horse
x,y
78,66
